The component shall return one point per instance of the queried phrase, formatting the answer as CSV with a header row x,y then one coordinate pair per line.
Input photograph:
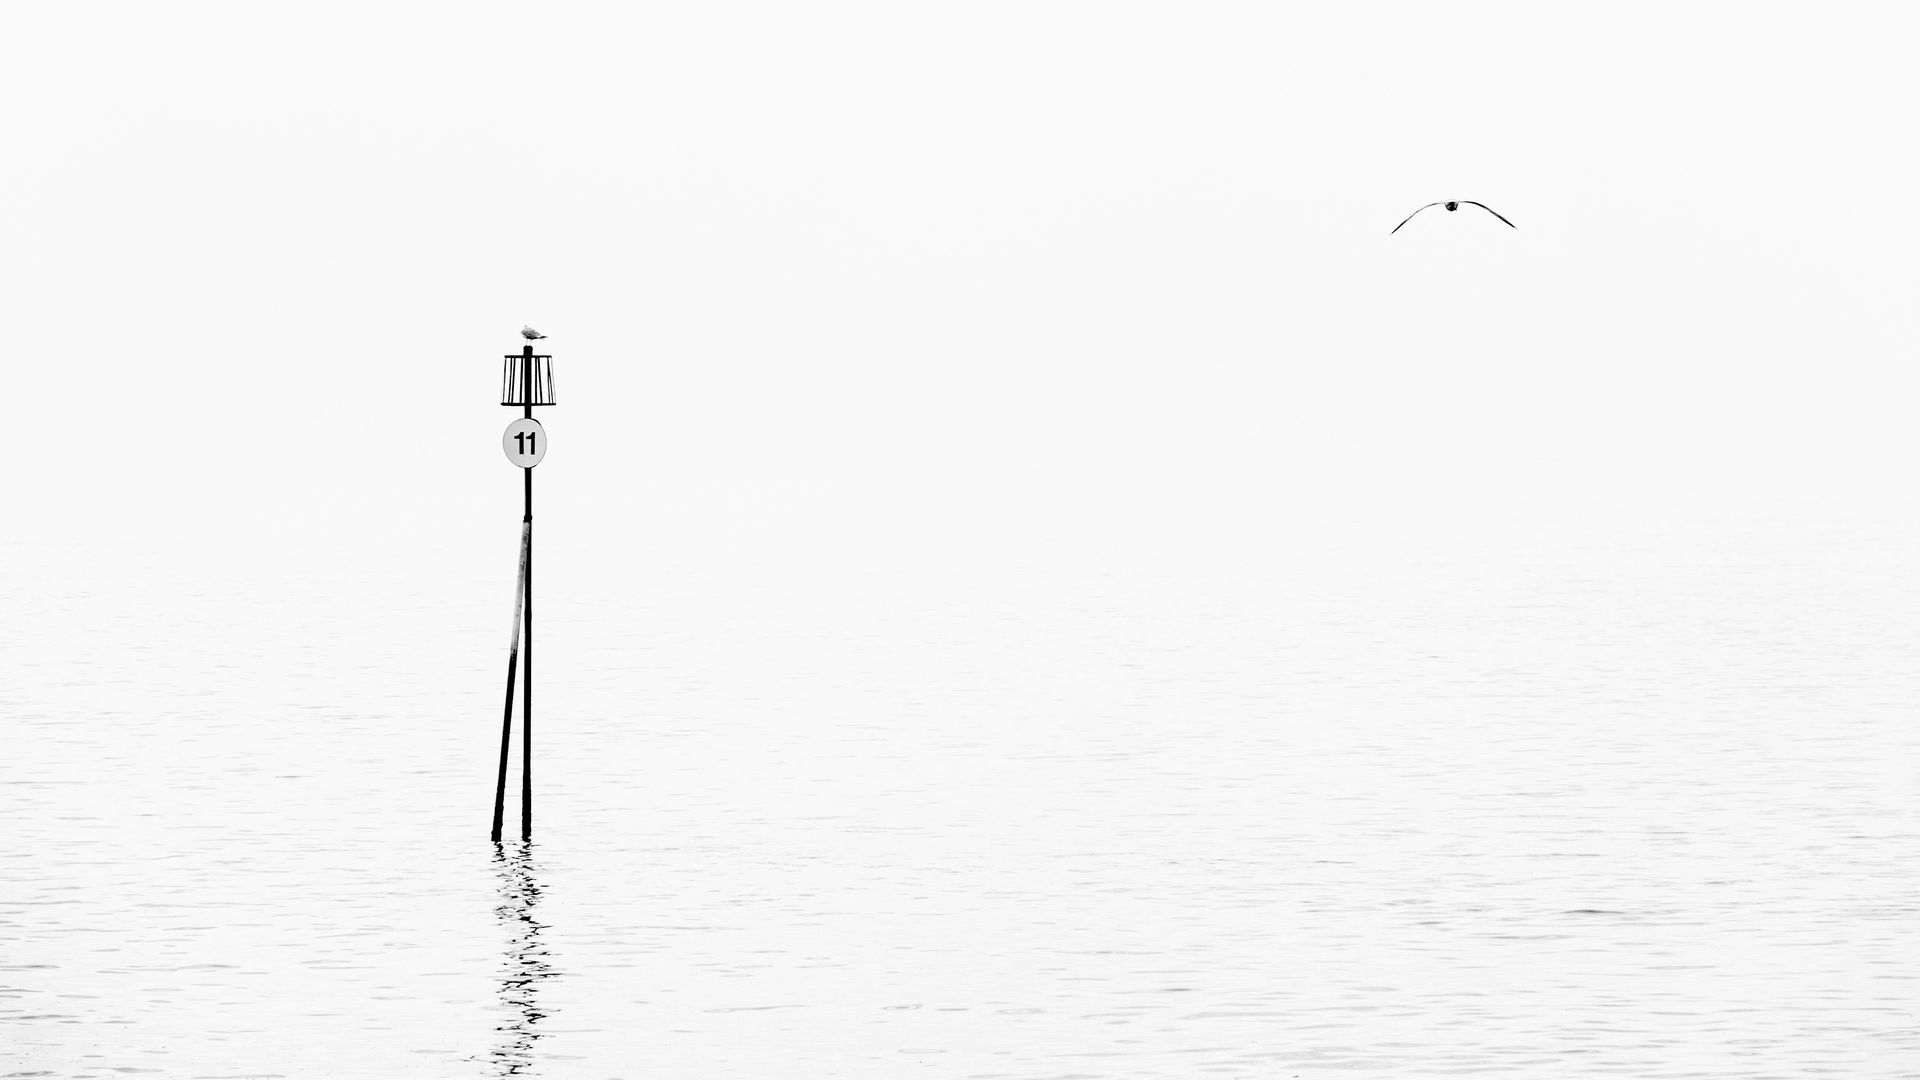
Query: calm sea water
x,y
1643,806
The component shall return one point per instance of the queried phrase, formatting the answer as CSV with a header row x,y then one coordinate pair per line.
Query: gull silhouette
x,y
531,334
1454,204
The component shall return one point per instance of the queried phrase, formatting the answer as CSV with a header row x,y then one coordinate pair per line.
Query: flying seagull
x,y
531,334
1454,204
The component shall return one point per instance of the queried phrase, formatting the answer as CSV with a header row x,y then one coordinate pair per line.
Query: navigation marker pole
x,y
525,381
513,664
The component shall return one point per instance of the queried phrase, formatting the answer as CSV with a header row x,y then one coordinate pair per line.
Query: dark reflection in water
x,y
525,963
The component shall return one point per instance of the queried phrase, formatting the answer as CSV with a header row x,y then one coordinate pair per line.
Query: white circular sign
x,y
525,442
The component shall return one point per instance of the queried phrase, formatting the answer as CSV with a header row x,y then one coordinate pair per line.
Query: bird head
x,y
1453,206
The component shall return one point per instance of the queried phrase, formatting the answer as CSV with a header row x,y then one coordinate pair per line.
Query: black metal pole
x,y
513,664
526,578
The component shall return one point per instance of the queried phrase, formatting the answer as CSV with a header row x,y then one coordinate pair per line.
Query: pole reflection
x,y
525,962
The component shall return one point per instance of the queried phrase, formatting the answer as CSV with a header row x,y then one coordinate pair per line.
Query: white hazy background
x,y
925,326
1050,282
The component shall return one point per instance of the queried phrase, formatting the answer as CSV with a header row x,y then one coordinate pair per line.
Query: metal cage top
x,y
527,379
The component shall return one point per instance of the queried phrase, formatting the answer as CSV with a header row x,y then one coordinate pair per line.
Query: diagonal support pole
x,y
513,665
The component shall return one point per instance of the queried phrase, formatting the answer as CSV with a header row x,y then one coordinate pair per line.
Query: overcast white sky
x,y
853,281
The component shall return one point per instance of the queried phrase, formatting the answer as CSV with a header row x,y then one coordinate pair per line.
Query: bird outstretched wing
x,y
1489,210
1411,216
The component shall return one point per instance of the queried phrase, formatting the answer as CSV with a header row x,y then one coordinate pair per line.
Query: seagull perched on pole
x,y
1454,204
531,334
